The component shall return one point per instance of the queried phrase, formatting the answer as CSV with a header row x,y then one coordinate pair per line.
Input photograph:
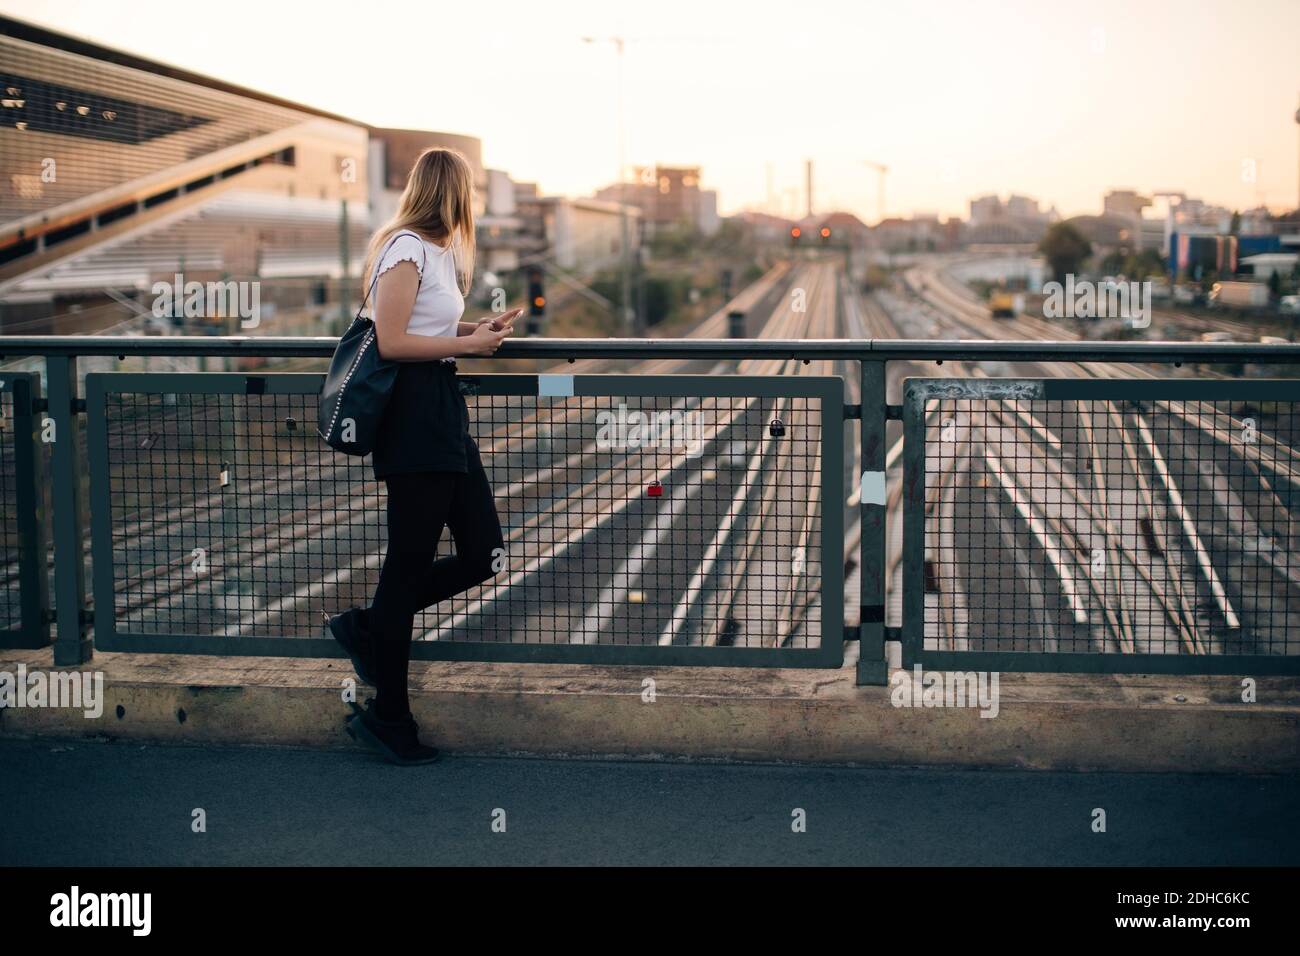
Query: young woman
x,y
423,260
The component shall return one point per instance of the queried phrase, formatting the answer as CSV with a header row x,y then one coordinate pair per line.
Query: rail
x,y
1129,522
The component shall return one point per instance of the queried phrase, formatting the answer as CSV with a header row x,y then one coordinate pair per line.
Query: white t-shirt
x,y
438,301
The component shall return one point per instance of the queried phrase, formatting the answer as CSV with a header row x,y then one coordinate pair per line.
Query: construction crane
x,y
881,170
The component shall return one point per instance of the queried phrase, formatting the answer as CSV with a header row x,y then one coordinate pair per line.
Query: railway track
x,y
329,471
1124,508
273,548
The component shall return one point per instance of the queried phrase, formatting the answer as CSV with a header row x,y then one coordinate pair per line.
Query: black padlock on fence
x,y
777,428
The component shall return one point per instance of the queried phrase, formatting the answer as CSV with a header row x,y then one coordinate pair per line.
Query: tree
x,y
1145,263
1114,264
1065,249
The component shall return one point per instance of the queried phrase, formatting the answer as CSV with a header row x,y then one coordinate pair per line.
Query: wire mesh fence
x,y
1047,524
10,540
24,586
1068,521
637,512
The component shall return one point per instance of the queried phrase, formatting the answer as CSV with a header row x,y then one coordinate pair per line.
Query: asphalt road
x,y
90,803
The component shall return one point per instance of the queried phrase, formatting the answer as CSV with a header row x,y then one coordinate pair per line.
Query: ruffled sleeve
x,y
405,248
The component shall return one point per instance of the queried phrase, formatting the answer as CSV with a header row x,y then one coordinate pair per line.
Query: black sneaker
x,y
397,740
349,629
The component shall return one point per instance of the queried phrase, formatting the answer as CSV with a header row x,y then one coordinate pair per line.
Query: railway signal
x,y
795,233
536,301
826,235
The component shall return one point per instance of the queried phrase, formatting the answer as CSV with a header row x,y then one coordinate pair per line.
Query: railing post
x,y
873,668
71,645
29,468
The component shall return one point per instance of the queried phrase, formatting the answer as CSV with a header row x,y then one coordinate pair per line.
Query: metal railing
x,y
629,504
24,591
1056,524
1102,524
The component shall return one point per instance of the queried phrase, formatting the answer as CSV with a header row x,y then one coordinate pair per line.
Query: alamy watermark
x,y
210,300
623,429
72,689
921,688
1084,299
130,910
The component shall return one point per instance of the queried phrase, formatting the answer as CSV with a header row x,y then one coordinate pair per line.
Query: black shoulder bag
x,y
359,382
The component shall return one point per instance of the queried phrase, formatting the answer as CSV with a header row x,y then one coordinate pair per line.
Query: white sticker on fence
x,y
873,488
555,386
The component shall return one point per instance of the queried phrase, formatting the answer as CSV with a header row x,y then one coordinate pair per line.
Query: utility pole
x,y
881,170
808,177
625,240
345,258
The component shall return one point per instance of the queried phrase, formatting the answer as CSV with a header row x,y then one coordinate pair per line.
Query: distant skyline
x,y
1058,101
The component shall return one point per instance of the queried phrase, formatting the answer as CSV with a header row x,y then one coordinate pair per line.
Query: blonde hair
x,y
438,203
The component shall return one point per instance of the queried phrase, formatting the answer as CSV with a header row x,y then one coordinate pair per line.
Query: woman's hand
x,y
502,321
484,340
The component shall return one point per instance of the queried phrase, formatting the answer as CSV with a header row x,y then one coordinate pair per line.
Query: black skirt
x,y
426,424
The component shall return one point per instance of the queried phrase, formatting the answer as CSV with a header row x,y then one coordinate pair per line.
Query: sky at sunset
x,y
1056,100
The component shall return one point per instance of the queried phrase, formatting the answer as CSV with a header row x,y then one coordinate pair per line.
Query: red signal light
x,y
795,233
826,233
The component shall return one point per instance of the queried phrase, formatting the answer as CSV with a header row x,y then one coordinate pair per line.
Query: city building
x,y
985,209
577,235
1151,235
998,232
707,220
122,172
500,226
1128,205
1108,233
1195,254
845,228
1022,207
764,227
1265,264
1019,220
922,233
1199,235
1194,212
392,154
668,198
1125,203
394,151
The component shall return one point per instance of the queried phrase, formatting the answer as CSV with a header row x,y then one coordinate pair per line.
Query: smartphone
x,y
498,324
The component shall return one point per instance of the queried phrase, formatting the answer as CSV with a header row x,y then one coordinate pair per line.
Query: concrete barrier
x,y
1078,722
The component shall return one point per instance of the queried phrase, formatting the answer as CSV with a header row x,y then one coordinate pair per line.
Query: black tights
x,y
420,504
